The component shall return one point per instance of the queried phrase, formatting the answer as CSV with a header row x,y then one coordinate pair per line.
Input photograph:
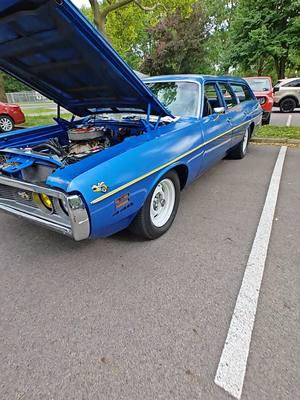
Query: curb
x,y
269,140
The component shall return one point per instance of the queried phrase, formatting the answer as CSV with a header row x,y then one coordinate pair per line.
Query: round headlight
x,y
262,100
45,200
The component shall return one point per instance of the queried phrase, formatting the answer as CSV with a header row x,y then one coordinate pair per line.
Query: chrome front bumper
x,y
76,224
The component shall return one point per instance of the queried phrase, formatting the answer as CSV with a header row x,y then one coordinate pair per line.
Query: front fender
x,y
132,173
117,211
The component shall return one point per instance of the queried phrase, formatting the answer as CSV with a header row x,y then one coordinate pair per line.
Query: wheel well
x,y
7,115
182,172
290,97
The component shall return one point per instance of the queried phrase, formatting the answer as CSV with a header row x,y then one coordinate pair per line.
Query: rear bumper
x,y
266,115
74,224
18,116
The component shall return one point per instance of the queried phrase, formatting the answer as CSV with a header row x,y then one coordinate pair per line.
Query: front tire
x,y
240,150
6,124
287,105
160,208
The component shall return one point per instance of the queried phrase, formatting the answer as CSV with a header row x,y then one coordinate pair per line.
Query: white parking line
x,y
232,366
289,120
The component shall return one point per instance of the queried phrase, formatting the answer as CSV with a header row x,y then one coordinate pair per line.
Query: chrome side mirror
x,y
219,110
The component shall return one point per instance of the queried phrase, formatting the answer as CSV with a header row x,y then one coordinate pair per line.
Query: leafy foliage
x,y
127,27
264,32
11,84
177,44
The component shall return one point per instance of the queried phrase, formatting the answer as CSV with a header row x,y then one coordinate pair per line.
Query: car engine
x,y
35,162
82,142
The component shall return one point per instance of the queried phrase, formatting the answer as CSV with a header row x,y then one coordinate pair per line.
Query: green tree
x,y
264,31
11,84
220,14
177,43
127,27
101,11
3,97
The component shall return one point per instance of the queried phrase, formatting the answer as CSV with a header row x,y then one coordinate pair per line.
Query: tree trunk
x,y
280,65
100,22
260,66
100,14
3,97
99,18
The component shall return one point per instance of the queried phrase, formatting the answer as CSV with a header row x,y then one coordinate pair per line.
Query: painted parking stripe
x,y
289,121
232,366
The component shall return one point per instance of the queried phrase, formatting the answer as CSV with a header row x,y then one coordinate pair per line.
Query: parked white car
x,y
287,94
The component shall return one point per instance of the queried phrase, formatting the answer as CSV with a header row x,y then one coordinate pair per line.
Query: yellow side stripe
x,y
140,178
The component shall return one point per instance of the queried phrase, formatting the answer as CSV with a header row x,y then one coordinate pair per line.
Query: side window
x,y
228,95
211,99
295,83
242,92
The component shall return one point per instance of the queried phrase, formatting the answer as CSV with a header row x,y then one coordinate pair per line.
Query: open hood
x,y
50,46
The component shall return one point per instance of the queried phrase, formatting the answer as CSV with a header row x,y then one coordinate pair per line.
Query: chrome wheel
x,y
245,141
6,124
162,203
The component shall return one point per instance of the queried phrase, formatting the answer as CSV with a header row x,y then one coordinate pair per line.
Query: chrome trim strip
x,y
51,225
31,187
126,185
77,217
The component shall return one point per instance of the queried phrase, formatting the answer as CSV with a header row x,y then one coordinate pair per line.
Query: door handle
x,y
228,119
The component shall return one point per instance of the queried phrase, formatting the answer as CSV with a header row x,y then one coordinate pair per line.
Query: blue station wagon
x,y
131,145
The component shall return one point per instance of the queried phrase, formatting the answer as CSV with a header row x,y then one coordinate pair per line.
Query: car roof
x,y
258,77
193,77
283,81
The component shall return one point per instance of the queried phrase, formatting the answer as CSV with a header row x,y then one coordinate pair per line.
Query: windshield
x,y
259,84
180,98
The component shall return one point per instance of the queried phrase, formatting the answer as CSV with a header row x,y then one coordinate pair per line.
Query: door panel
x,y
243,110
234,112
215,125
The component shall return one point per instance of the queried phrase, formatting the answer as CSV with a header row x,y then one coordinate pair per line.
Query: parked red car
x,y
262,88
10,115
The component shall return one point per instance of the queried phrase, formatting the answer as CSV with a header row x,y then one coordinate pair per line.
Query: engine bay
x,y
34,161
82,141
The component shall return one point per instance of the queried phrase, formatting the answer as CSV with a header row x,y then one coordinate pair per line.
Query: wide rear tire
x,y
160,208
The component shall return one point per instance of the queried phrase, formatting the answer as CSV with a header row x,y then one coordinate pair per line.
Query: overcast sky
x,y
80,3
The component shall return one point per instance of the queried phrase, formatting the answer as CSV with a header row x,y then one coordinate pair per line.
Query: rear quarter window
x,y
295,83
243,92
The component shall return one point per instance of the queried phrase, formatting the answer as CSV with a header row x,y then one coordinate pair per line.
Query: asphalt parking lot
x,y
285,119
123,319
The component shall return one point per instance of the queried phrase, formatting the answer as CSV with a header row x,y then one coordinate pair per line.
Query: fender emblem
x,y
100,187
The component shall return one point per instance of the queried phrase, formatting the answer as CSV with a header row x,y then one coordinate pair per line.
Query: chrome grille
x,y
19,195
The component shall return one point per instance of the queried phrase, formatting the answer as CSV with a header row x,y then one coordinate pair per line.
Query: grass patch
x,y
282,132
28,111
42,120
